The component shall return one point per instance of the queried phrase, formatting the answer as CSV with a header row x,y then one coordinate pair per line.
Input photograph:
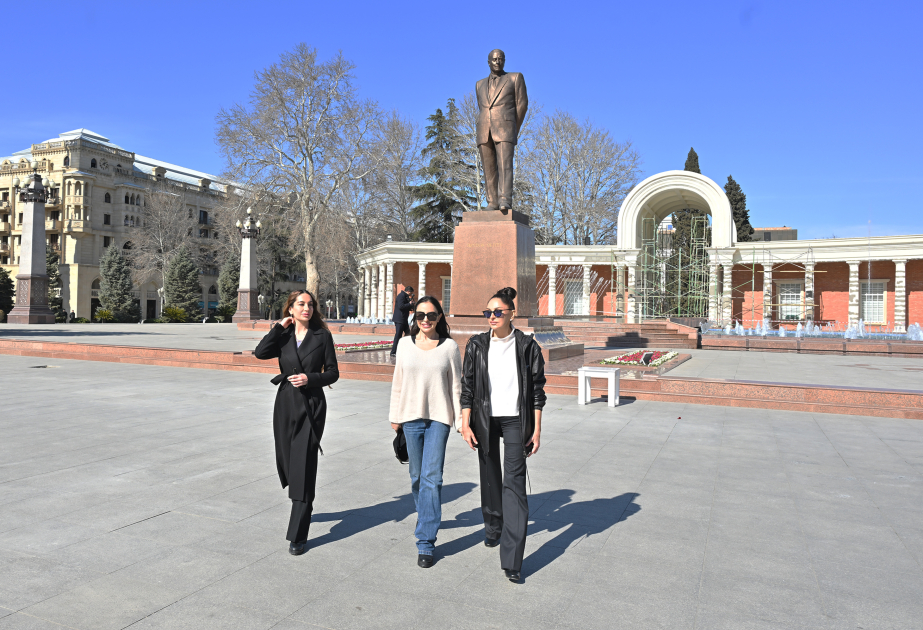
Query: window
x,y
126,199
573,297
107,219
19,221
446,294
93,163
767,236
790,300
203,233
67,161
203,217
108,198
107,240
872,301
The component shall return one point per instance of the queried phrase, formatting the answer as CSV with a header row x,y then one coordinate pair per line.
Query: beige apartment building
x,y
98,201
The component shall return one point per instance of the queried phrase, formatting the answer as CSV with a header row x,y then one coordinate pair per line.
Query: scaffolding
x,y
672,278
783,305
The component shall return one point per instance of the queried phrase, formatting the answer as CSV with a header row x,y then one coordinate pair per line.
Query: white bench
x,y
584,375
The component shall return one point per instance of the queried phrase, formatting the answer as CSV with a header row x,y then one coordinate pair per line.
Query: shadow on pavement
x,y
352,522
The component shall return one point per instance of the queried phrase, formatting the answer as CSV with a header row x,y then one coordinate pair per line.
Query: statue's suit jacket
x,y
501,114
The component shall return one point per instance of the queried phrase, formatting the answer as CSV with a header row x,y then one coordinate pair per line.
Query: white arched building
x,y
835,281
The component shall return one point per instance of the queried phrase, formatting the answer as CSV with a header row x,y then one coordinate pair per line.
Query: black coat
x,y
402,307
475,384
298,411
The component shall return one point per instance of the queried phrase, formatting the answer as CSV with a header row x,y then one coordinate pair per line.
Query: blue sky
x,y
815,108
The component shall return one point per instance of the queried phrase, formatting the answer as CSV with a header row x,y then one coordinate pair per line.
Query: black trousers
x,y
400,329
300,520
503,491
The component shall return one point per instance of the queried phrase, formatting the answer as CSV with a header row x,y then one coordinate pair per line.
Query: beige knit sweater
x,y
427,384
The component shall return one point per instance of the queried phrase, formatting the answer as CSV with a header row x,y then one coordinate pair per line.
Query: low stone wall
x,y
812,345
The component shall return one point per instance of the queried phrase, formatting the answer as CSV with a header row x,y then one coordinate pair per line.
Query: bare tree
x,y
168,225
399,152
304,133
577,177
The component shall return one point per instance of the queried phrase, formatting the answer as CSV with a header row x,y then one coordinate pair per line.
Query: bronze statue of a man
x,y
502,104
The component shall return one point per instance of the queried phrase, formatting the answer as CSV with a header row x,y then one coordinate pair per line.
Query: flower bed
x,y
361,347
634,358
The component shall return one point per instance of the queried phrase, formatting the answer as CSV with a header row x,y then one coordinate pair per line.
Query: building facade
x,y
833,282
99,202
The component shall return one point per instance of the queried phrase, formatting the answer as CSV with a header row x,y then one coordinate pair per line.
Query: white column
x,y
767,291
900,296
389,291
360,294
631,317
373,292
727,304
367,292
586,289
853,292
809,300
421,281
552,289
713,292
380,311
619,289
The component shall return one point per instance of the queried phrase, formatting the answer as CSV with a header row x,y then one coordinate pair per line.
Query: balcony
x,y
52,225
94,293
78,200
206,221
4,248
4,227
53,201
77,227
53,247
4,205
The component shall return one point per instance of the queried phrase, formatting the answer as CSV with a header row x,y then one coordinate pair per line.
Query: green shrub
x,y
80,320
2,315
175,315
104,315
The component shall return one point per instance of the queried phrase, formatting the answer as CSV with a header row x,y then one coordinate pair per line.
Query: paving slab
x,y
146,497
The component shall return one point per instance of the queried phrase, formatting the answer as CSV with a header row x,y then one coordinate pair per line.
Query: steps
x,y
661,335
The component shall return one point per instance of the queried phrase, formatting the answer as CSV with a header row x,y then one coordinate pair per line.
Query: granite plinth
x,y
31,301
493,249
554,343
812,345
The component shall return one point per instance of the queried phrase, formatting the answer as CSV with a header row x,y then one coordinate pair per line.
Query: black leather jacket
x,y
475,382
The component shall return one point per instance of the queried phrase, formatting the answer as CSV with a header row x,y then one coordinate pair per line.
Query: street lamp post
x,y
248,304
329,304
32,280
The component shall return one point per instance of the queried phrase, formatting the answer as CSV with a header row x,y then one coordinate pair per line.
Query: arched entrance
x,y
672,268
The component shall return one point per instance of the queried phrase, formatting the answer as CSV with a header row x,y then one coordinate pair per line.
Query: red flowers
x,y
367,345
634,358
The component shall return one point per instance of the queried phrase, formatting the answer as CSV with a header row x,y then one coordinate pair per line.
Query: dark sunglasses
x,y
497,312
428,316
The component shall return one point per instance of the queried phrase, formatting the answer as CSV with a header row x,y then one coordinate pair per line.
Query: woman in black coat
x,y
307,362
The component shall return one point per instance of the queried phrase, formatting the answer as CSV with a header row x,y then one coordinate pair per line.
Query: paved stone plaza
x,y
146,497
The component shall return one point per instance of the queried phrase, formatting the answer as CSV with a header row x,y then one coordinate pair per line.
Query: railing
x,y
4,247
136,295
94,293
54,247
53,201
4,226
4,205
76,226
78,200
206,221
52,225
152,295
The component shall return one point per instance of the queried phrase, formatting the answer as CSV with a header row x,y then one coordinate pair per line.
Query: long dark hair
x,y
442,326
317,320
506,295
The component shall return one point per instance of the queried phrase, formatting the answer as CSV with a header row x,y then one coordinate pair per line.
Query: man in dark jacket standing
x,y
402,307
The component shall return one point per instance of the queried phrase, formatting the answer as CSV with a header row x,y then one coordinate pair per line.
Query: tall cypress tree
x,y
55,301
682,290
739,208
181,284
443,197
115,285
6,293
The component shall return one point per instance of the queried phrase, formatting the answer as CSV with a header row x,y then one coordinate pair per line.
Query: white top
x,y
426,384
504,377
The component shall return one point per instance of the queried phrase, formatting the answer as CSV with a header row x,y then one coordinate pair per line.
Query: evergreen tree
x,y
228,283
55,301
443,196
6,293
115,286
739,208
181,284
692,162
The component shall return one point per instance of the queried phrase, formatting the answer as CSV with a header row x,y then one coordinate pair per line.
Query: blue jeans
x,y
426,441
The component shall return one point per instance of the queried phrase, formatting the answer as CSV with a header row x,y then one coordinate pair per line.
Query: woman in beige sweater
x,y
425,395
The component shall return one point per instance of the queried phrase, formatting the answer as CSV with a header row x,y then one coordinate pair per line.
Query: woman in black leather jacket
x,y
503,393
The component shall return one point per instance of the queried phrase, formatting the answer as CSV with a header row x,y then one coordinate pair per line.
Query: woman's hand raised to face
x,y
286,322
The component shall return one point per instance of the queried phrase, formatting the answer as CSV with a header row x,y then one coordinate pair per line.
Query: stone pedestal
x,y
248,306
496,249
31,301
493,249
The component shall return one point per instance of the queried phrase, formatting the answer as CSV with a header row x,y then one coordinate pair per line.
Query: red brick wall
x,y
747,295
914,292
434,273
831,292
